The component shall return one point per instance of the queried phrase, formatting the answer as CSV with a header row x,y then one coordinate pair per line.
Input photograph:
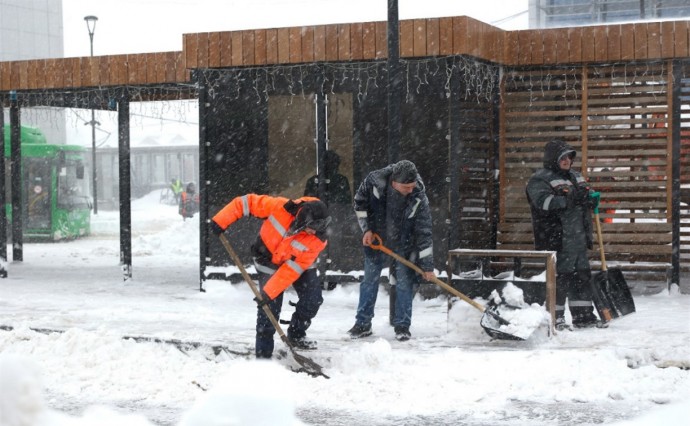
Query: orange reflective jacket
x,y
293,254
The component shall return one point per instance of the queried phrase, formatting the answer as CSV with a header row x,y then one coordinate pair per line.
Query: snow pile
x,y
250,393
523,319
22,402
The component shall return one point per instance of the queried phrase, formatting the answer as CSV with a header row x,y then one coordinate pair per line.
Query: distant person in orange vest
x,y
285,253
189,201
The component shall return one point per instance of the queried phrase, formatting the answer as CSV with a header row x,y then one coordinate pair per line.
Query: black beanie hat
x,y
404,171
311,214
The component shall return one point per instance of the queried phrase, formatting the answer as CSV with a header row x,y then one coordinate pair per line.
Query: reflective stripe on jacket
x,y
292,254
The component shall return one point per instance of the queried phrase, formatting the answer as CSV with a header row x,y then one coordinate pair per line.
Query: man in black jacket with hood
x,y
560,202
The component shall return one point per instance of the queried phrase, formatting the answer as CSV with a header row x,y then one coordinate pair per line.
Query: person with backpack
x,y
189,202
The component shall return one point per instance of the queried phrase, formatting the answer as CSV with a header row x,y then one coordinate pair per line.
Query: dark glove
x,y
264,300
216,229
578,196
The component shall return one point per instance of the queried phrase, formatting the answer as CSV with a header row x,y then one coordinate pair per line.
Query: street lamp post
x,y
91,26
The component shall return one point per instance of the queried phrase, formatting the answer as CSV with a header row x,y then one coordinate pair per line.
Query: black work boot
x,y
302,343
358,331
588,321
561,325
402,334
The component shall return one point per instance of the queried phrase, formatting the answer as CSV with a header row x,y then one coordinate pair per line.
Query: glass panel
x,y
292,162
37,193
291,147
72,190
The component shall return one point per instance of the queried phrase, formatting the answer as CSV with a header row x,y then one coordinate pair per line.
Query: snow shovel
x,y
610,292
491,320
309,366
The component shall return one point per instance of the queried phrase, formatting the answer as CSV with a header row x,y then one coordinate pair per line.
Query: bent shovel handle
x,y
377,244
254,287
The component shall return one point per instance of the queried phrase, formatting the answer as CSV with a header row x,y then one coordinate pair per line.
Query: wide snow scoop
x,y
491,320
610,292
310,367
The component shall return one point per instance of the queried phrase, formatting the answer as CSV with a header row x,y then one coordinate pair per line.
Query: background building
x,y
32,29
568,13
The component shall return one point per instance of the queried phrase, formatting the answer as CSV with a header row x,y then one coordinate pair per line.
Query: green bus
x,y
56,204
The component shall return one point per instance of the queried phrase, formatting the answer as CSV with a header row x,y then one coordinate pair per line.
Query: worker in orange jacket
x,y
285,253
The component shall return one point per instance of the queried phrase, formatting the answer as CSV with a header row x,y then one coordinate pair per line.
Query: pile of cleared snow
x,y
251,392
523,319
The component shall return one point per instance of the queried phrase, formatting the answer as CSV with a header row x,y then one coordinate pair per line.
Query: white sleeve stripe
x,y
245,206
547,202
414,209
361,213
299,246
426,252
294,266
278,227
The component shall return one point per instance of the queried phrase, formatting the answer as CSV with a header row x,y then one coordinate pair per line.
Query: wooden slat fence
x,y
615,116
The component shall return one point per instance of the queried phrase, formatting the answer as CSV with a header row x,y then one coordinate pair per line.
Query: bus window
x,y
72,190
37,193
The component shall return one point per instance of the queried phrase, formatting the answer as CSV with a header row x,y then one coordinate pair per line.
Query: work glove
x,y
216,229
264,300
577,196
594,198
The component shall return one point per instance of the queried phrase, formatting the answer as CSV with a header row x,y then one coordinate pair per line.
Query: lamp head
x,y
91,23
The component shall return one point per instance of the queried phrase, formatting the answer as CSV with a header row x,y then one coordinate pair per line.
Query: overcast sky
x,y
139,26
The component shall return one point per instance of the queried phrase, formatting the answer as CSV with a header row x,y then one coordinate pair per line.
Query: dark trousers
x,y
308,288
576,286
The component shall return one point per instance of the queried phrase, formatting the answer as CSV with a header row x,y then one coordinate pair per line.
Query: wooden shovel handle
x,y
254,287
597,222
377,244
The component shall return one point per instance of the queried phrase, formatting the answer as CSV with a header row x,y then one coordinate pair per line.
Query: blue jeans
x,y
308,288
369,289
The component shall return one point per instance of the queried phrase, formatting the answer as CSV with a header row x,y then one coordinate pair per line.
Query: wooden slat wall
x,y
685,170
615,117
357,42
477,173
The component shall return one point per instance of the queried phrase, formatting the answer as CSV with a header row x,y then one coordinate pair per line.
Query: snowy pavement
x,y
451,372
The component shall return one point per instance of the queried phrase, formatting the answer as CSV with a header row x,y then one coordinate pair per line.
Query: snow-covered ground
x,y
636,372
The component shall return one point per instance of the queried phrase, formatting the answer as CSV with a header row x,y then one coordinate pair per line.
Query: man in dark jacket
x,y
560,202
391,202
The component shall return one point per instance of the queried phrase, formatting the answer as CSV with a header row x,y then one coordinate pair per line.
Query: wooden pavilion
x,y
478,105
